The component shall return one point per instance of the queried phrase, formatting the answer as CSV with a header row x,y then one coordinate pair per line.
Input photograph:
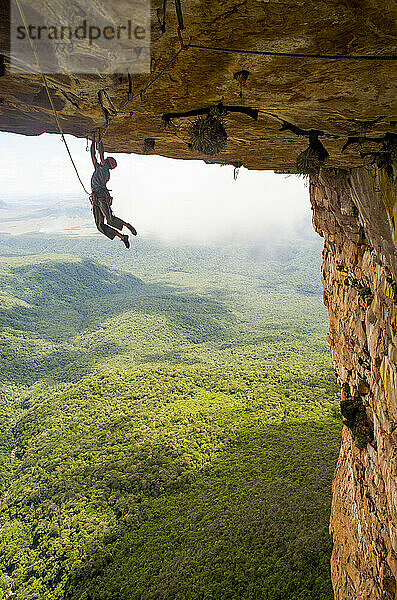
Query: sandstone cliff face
x,y
359,276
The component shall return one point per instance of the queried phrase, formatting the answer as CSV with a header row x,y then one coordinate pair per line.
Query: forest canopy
x,y
168,432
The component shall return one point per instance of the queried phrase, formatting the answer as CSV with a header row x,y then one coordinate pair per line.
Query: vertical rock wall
x,y
356,217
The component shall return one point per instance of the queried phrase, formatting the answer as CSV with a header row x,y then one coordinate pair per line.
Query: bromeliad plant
x,y
386,158
148,145
207,133
312,159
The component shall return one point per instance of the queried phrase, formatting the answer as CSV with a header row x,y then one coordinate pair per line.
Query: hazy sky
x,y
185,201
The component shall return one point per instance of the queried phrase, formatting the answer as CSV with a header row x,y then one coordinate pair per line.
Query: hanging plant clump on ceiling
x,y
386,158
148,145
312,159
207,133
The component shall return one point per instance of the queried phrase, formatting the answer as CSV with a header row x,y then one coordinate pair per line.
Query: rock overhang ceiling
x,y
342,99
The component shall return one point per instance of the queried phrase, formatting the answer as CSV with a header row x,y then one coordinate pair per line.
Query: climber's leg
x,y
101,210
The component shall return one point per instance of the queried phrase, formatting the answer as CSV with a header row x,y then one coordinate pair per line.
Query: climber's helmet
x,y
111,162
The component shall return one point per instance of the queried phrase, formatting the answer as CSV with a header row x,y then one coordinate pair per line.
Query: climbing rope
x,y
186,46
49,95
290,54
140,94
189,44
181,26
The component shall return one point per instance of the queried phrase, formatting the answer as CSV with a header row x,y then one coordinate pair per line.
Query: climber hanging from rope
x,y
101,199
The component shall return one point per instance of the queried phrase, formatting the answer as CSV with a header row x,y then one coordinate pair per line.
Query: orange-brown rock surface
x,y
356,215
337,97
360,291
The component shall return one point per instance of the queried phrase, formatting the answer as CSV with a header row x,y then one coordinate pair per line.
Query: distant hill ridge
x,y
40,279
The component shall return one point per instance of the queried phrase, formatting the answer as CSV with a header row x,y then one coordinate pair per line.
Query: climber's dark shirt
x,y
99,179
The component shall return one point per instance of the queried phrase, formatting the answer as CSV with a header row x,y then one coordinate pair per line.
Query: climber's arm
x,y
93,156
101,152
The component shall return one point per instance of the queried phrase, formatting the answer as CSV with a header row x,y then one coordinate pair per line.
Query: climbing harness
x,y
49,95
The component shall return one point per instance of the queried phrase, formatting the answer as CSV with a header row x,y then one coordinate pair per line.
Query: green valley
x,y
170,421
